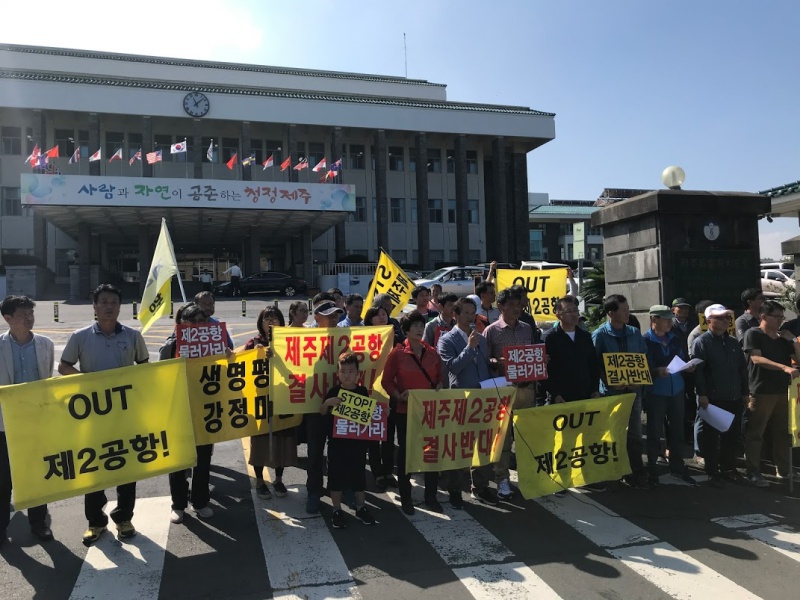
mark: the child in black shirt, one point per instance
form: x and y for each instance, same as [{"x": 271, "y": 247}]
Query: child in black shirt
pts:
[{"x": 346, "y": 457}]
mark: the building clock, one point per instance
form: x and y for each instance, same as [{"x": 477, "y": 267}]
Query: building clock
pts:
[{"x": 196, "y": 104}]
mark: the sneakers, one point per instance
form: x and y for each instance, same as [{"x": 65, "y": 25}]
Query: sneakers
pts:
[
  {"x": 391, "y": 481},
  {"x": 176, "y": 516},
  {"x": 780, "y": 476},
  {"x": 338, "y": 520},
  {"x": 125, "y": 530},
  {"x": 684, "y": 477},
  {"x": 486, "y": 496},
  {"x": 757, "y": 479},
  {"x": 407, "y": 505},
  {"x": 204, "y": 513},
  {"x": 456, "y": 501},
  {"x": 42, "y": 531},
  {"x": 504, "y": 490},
  {"x": 92, "y": 534},
  {"x": 363, "y": 515},
  {"x": 597, "y": 487},
  {"x": 262, "y": 491},
  {"x": 434, "y": 506},
  {"x": 312, "y": 505},
  {"x": 280, "y": 489}
]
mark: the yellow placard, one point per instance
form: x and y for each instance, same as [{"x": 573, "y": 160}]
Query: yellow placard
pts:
[
  {"x": 704, "y": 324},
  {"x": 230, "y": 399},
  {"x": 794, "y": 411},
  {"x": 82, "y": 433},
  {"x": 355, "y": 407},
  {"x": 453, "y": 429},
  {"x": 304, "y": 363},
  {"x": 626, "y": 368},
  {"x": 389, "y": 279},
  {"x": 544, "y": 288},
  {"x": 572, "y": 444}
]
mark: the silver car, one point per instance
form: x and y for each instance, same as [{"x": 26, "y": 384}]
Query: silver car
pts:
[{"x": 456, "y": 280}]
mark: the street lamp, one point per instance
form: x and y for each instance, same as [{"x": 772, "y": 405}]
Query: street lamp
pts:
[{"x": 673, "y": 177}]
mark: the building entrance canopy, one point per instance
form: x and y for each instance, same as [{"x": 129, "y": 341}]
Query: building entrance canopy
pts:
[{"x": 197, "y": 211}]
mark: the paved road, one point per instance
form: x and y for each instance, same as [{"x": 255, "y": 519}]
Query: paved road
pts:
[{"x": 675, "y": 541}]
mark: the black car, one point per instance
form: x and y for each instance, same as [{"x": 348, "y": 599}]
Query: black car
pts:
[{"x": 266, "y": 282}]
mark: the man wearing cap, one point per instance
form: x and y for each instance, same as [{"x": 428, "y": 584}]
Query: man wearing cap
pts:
[
  {"x": 664, "y": 399},
  {"x": 721, "y": 380},
  {"x": 770, "y": 373},
  {"x": 682, "y": 324},
  {"x": 326, "y": 314}
]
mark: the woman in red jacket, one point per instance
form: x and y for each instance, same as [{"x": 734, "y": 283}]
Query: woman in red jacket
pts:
[{"x": 412, "y": 365}]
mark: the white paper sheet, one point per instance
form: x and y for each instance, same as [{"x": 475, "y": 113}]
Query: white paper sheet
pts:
[
  {"x": 717, "y": 417},
  {"x": 496, "y": 382},
  {"x": 677, "y": 365}
]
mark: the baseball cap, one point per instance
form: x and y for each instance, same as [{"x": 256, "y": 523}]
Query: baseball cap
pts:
[
  {"x": 680, "y": 302},
  {"x": 326, "y": 307},
  {"x": 661, "y": 310},
  {"x": 717, "y": 310}
]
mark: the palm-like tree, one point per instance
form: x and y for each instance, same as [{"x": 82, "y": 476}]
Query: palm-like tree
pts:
[{"x": 593, "y": 289}]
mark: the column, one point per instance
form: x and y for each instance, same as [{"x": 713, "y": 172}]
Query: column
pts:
[
  {"x": 462, "y": 206},
  {"x": 381, "y": 193},
  {"x": 499, "y": 209},
  {"x": 308, "y": 256},
  {"x": 520, "y": 248},
  {"x": 423, "y": 214},
  {"x": 145, "y": 256},
  {"x": 94, "y": 143},
  {"x": 39, "y": 223},
  {"x": 84, "y": 253},
  {"x": 254, "y": 252},
  {"x": 288, "y": 257},
  {"x": 341, "y": 228},
  {"x": 197, "y": 146},
  {"x": 147, "y": 145},
  {"x": 291, "y": 148},
  {"x": 246, "y": 149}
]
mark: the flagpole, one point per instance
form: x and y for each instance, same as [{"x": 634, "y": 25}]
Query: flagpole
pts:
[
  {"x": 212, "y": 158},
  {"x": 186, "y": 156}
]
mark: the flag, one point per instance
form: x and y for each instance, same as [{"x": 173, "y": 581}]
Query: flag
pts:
[
  {"x": 41, "y": 161},
  {"x": 249, "y": 160},
  {"x": 157, "y": 296},
  {"x": 153, "y": 157},
  {"x": 53, "y": 152},
  {"x": 135, "y": 157},
  {"x": 330, "y": 174},
  {"x": 96, "y": 156},
  {"x": 232, "y": 162},
  {"x": 337, "y": 165},
  {"x": 287, "y": 163},
  {"x": 210, "y": 151},
  {"x": 392, "y": 279},
  {"x": 34, "y": 157},
  {"x": 117, "y": 156},
  {"x": 319, "y": 166},
  {"x": 324, "y": 178},
  {"x": 268, "y": 163},
  {"x": 178, "y": 148},
  {"x": 76, "y": 156},
  {"x": 303, "y": 164}
]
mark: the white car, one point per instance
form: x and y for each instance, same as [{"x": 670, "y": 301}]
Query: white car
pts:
[
  {"x": 775, "y": 281},
  {"x": 457, "y": 280}
]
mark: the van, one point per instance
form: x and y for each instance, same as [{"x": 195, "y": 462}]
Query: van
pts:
[
  {"x": 777, "y": 265},
  {"x": 541, "y": 265}
]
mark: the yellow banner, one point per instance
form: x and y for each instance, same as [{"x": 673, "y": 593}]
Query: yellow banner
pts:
[
  {"x": 304, "y": 364},
  {"x": 229, "y": 397},
  {"x": 794, "y": 411},
  {"x": 626, "y": 368},
  {"x": 453, "y": 429},
  {"x": 389, "y": 279},
  {"x": 572, "y": 444},
  {"x": 82, "y": 433},
  {"x": 157, "y": 296},
  {"x": 544, "y": 288},
  {"x": 355, "y": 407},
  {"x": 704, "y": 325}
]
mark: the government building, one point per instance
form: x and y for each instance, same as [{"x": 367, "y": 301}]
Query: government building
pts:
[{"x": 96, "y": 148}]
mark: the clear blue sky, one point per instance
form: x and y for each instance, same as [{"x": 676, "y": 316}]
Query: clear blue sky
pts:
[{"x": 636, "y": 85}]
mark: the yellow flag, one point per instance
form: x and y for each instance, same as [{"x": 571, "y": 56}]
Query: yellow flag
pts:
[
  {"x": 157, "y": 296},
  {"x": 389, "y": 279},
  {"x": 794, "y": 411},
  {"x": 572, "y": 444},
  {"x": 544, "y": 288}
]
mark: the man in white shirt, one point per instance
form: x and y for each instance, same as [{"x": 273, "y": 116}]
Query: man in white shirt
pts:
[{"x": 236, "y": 276}]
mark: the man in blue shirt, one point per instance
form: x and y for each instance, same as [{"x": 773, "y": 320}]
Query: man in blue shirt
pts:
[{"x": 353, "y": 305}]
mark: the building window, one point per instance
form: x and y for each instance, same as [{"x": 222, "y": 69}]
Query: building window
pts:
[
  {"x": 11, "y": 205},
  {"x": 434, "y": 160},
  {"x": 320, "y": 256},
  {"x": 451, "y": 211},
  {"x": 435, "y": 210},
  {"x": 83, "y": 142},
  {"x": 451, "y": 161},
  {"x": 398, "y": 212},
  {"x": 374, "y": 210},
  {"x": 399, "y": 256},
  {"x": 413, "y": 210},
  {"x": 472, "y": 162},
  {"x": 472, "y": 212},
  {"x": 316, "y": 152},
  {"x": 114, "y": 141},
  {"x": 134, "y": 144},
  {"x": 396, "y": 156},
  {"x": 474, "y": 256},
  {"x": 163, "y": 142},
  {"x": 412, "y": 161},
  {"x": 275, "y": 149},
  {"x": 437, "y": 258},
  {"x": 11, "y": 140},
  {"x": 63, "y": 261},
  {"x": 257, "y": 148},
  {"x": 356, "y": 156},
  {"x": 360, "y": 215},
  {"x": 65, "y": 140},
  {"x": 207, "y": 143},
  {"x": 536, "y": 244},
  {"x": 230, "y": 146}
]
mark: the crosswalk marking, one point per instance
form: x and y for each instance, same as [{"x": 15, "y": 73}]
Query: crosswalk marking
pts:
[
  {"x": 663, "y": 565},
  {"x": 477, "y": 558},
  {"x": 303, "y": 560},
  {"x": 779, "y": 537},
  {"x": 129, "y": 570}
]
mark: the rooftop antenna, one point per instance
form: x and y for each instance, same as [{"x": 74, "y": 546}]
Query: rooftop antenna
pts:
[{"x": 405, "y": 54}]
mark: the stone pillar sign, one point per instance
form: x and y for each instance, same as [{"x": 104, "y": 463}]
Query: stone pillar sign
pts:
[{"x": 676, "y": 243}]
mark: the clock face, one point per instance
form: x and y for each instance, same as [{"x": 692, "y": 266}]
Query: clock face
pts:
[
  {"x": 196, "y": 104},
  {"x": 711, "y": 231}
]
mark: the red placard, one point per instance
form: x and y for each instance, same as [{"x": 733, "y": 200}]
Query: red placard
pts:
[
  {"x": 195, "y": 340},
  {"x": 374, "y": 432},
  {"x": 525, "y": 363}
]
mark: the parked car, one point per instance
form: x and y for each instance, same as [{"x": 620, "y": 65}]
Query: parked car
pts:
[
  {"x": 456, "y": 280},
  {"x": 500, "y": 265},
  {"x": 541, "y": 265},
  {"x": 775, "y": 281},
  {"x": 270, "y": 282}
]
